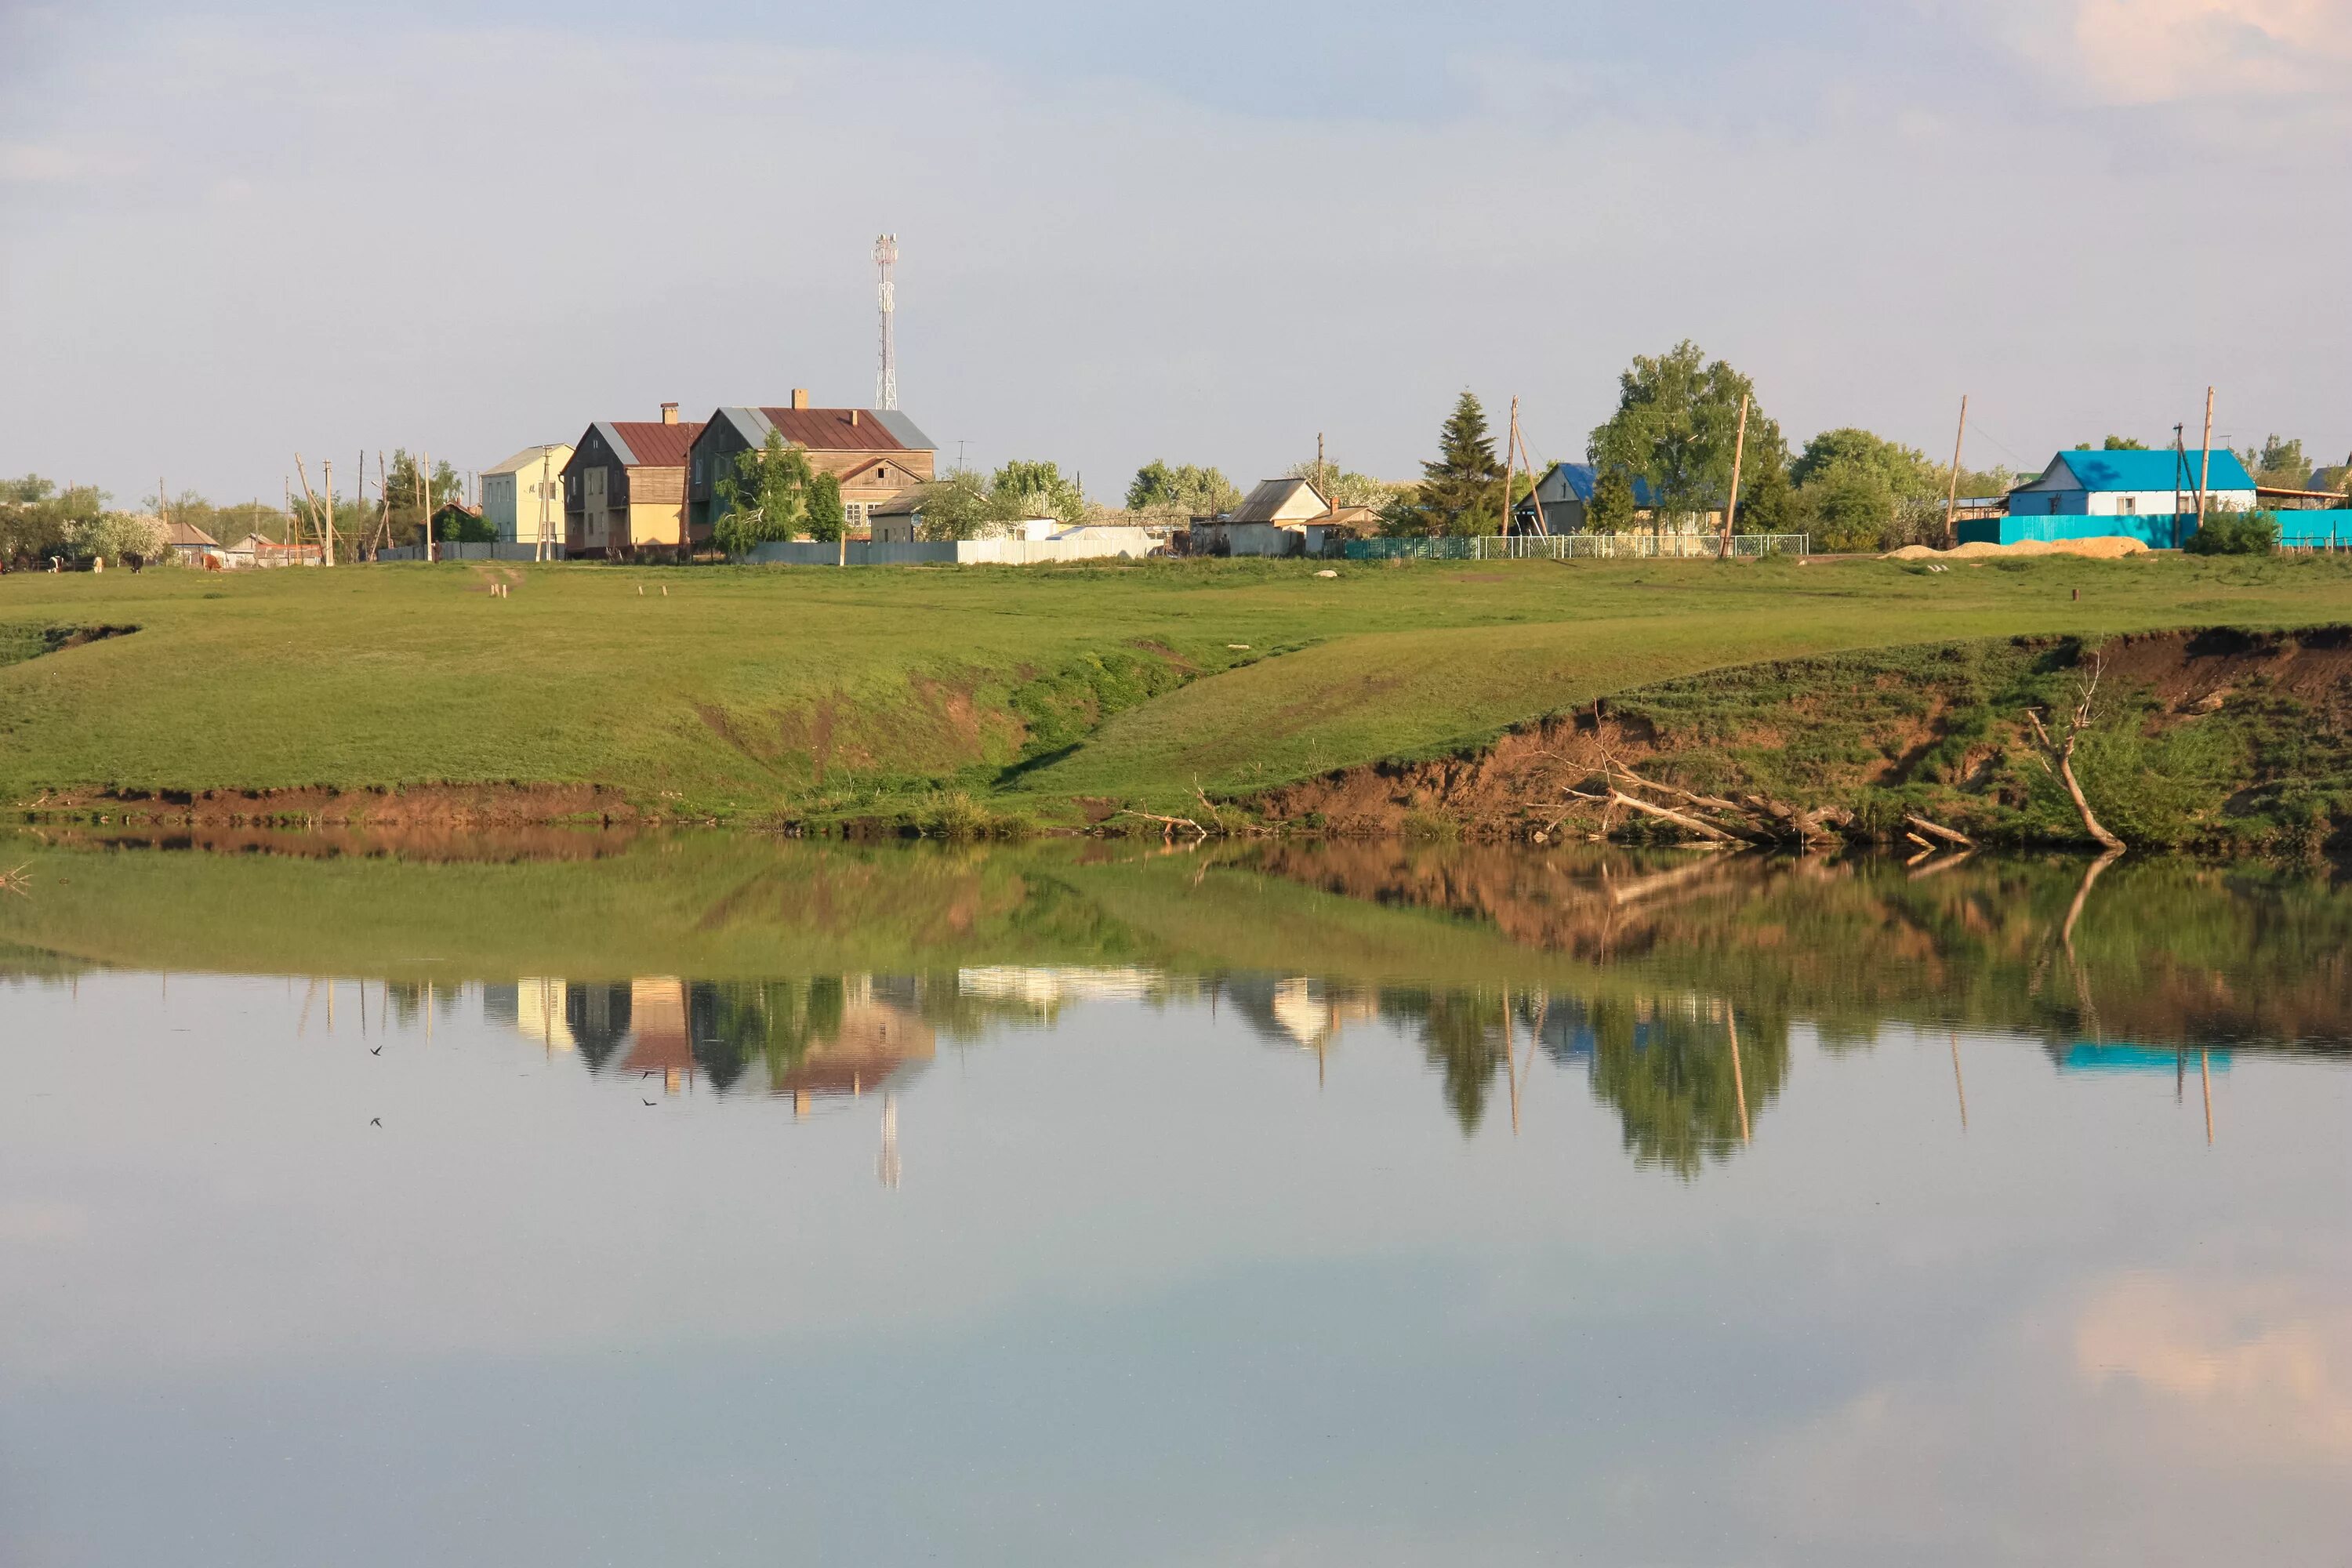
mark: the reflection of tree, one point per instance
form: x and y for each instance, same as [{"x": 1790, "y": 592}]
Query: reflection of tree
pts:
[
  {"x": 1669, "y": 1072},
  {"x": 775, "y": 1021},
  {"x": 598, "y": 1018},
  {"x": 1462, "y": 1033}
]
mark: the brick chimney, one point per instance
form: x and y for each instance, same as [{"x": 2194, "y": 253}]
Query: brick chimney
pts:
[
  {"x": 800, "y": 397},
  {"x": 669, "y": 413}
]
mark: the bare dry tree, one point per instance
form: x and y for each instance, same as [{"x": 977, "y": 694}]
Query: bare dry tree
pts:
[{"x": 2057, "y": 756}]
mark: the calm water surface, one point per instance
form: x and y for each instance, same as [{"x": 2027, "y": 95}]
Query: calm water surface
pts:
[{"x": 721, "y": 1201}]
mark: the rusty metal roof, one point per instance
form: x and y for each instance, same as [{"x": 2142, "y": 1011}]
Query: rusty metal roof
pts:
[
  {"x": 831, "y": 429},
  {"x": 649, "y": 443}
]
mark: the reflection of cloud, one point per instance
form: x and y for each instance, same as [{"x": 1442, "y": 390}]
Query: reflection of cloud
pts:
[
  {"x": 2160, "y": 51},
  {"x": 2262, "y": 1363}
]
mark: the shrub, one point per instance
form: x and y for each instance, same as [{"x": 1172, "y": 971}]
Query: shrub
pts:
[{"x": 2235, "y": 534}]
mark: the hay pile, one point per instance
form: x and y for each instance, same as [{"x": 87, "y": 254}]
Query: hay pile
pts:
[{"x": 2097, "y": 548}]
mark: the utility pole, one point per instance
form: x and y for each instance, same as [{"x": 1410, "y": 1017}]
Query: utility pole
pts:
[
  {"x": 424, "y": 503},
  {"x": 885, "y": 264},
  {"x": 326, "y": 483},
  {"x": 2205, "y": 470},
  {"x": 1952, "y": 495},
  {"x": 1510, "y": 462},
  {"x": 1519, "y": 442},
  {"x": 163, "y": 499},
  {"x": 1731, "y": 502},
  {"x": 1318, "y": 472},
  {"x": 541, "y": 552}
]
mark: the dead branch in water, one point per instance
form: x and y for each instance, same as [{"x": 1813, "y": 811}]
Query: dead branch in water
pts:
[
  {"x": 1938, "y": 830},
  {"x": 15, "y": 882},
  {"x": 1168, "y": 825},
  {"x": 2058, "y": 757}
]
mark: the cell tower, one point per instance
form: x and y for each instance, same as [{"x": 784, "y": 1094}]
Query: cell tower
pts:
[{"x": 886, "y": 259}]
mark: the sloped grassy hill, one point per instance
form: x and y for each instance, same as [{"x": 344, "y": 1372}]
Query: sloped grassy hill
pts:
[{"x": 1055, "y": 693}]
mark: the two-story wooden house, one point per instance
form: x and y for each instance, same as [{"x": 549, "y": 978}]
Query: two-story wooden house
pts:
[
  {"x": 875, "y": 453},
  {"x": 625, "y": 485}
]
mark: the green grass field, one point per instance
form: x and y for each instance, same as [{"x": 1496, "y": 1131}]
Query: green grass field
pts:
[{"x": 746, "y": 694}]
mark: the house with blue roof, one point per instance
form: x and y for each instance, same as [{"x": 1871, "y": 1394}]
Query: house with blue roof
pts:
[
  {"x": 2133, "y": 484},
  {"x": 1566, "y": 491},
  {"x": 2150, "y": 496}
]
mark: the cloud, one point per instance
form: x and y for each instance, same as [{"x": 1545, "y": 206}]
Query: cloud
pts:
[
  {"x": 2166, "y": 51},
  {"x": 35, "y": 163}
]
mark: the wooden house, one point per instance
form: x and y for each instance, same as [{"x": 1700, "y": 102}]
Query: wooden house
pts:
[
  {"x": 625, "y": 487},
  {"x": 876, "y": 454}
]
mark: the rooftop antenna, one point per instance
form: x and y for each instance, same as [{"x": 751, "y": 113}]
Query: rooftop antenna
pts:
[{"x": 886, "y": 259}]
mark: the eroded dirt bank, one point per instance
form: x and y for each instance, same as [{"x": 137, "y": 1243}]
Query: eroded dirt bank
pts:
[
  {"x": 416, "y": 813},
  {"x": 2213, "y": 739}
]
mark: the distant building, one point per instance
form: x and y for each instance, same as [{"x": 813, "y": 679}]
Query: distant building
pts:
[
  {"x": 1566, "y": 491},
  {"x": 625, "y": 485},
  {"x": 2132, "y": 484},
  {"x": 1271, "y": 520},
  {"x": 876, "y": 454},
  {"x": 255, "y": 551},
  {"x": 191, "y": 546},
  {"x": 523, "y": 496}
]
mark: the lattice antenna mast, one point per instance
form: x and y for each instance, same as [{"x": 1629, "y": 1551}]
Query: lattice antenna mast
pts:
[{"x": 885, "y": 262}]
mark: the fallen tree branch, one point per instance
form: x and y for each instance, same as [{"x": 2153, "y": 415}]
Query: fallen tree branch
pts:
[
  {"x": 1938, "y": 830},
  {"x": 2059, "y": 757},
  {"x": 1168, "y": 825},
  {"x": 1688, "y": 824}
]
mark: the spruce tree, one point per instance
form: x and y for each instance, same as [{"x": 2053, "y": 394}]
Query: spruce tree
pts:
[{"x": 1461, "y": 493}]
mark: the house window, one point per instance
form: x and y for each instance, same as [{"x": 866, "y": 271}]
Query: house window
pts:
[{"x": 2128, "y": 507}]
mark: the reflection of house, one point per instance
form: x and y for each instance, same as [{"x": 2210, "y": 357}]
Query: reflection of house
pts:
[
  {"x": 1046, "y": 988},
  {"x": 1312, "y": 1013},
  {"x": 659, "y": 1040},
  {"x": 2121, "y": 1056},
  {"x": 539, "y": 1013},
  {"x": 874, "y": 1041}
]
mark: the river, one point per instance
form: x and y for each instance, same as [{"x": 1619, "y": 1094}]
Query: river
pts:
[{"x": 713, "y": 1199}]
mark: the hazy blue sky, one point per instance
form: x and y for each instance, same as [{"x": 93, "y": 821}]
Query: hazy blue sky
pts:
[{"x": 229, "y": 233}]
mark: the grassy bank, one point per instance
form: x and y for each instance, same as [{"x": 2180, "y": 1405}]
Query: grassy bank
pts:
[{"x": 959, "y": 697}]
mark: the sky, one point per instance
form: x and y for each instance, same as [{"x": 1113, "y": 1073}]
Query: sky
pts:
[{"x": 232, "y": 233}]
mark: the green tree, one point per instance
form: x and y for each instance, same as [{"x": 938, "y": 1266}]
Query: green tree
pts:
[
  {"x": 1676, "y": 425},
  {"x": 1848, "y": 509},
  {"x": 1182, "y": 488},
  {"x": 1023, "y": 489},
  {"x": 1611, "y": 508},
  {"x": 2278, "y": 464},
  {"x": 1343, "y": 488},
  {"x": 828, "y": 519},
  {"x": 1905, "y": 469},
  {"x": 2112, "y": 444},
  {"x": 954, "y": 506},
  {"x": 2229, "y": 532},
  {"x": 765, "y": 498},
  {"x": 1461, "y": 492},
  {"x": 36, "y": 517}
]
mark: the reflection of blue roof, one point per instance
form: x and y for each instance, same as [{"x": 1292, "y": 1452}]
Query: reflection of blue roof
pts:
[
  {"x": 2083, "y": 1055},
  {"x": 2160, "y": 470}
]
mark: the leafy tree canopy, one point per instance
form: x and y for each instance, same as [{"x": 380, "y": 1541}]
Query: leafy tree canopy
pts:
[
  {"x": 2112, "y": 444},
  {"x": 1182, "y": 488},
  {"x": 766, "y": 497},
  {"x": 1676, "y": 424},
  {"x": 1904, "y": 470},
  {"x": 2278, "y": 464},
  {"x": 1023, "y": 489},
  {"x": 1343, "y": 488}
]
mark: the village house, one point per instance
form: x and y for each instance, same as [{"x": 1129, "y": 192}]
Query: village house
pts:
[
  {"x": 1566, "y": 493},
  {"x": 2133, "y": 484},
  {"x": 253, "y": 550},
  {"x": 522, "y": 498},
  {"x": 625, "y": 485},
  {"x": 191, "y": 546},
  {"x": 876, "y": 454}
]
